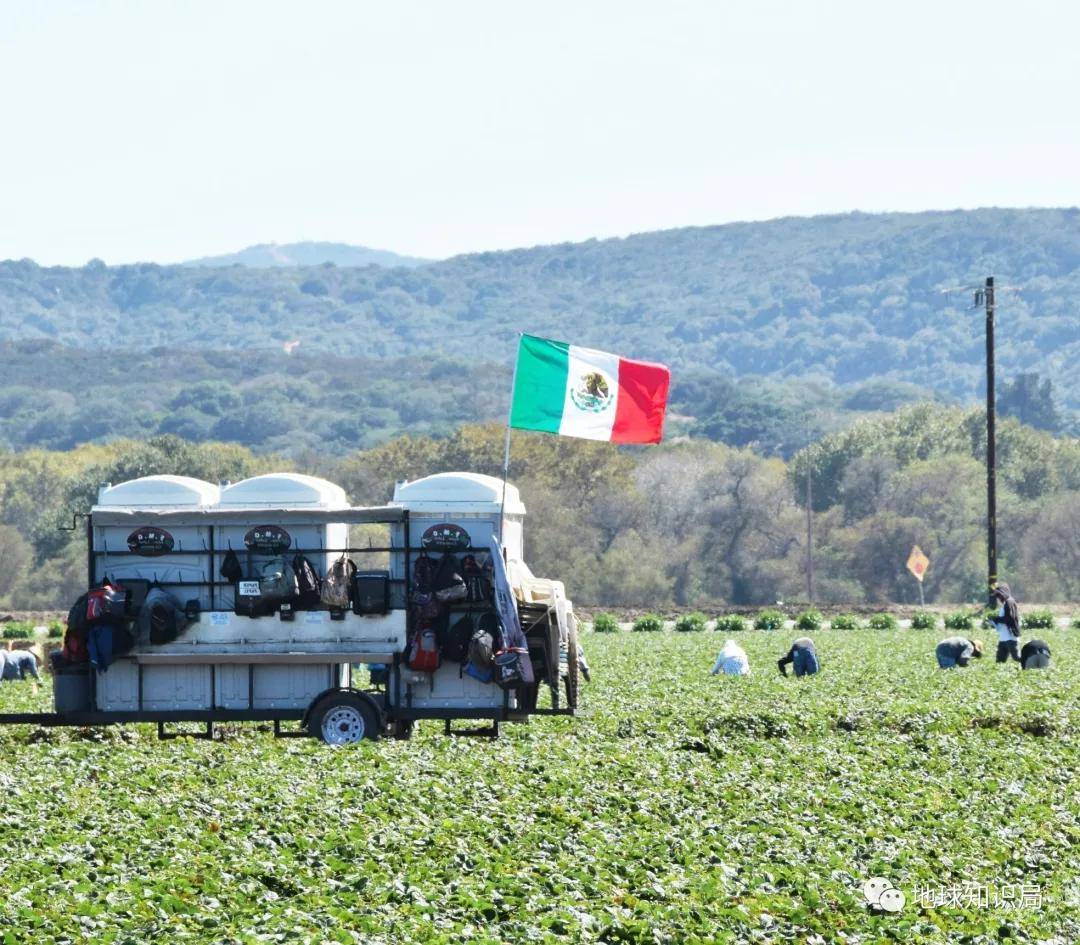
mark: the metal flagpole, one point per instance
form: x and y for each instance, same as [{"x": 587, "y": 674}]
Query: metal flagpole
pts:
[{"x": 506, "y": 446}]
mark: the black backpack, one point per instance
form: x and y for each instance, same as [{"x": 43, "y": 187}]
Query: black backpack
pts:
[
  {"x": 76, "y": 620},
  {"x": 448, "y": 583},
  {"x": 308, "y": 583},
  {"x": 423, "y": 574},
  {"x": 230, "y": 567},
  {"x": 477, "y": 586},
  {"x": 456, "y": 646}
]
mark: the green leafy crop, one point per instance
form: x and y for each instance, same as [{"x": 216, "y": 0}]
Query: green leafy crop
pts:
[
  {"x": 923, "y": 620},
  {"x": 17, "y": 630},
  {"x": 690, "y": 623},
  {"x": 959, "y": 620},
  {"x": 648, "y": 623},
  {"x": 732, "y": 623},
  {"x": 605, "y": 623},
  {"x": 1037, "y": 620},
  {"x": 769, "y": 620},
  {"x": 680, "y": 808}
]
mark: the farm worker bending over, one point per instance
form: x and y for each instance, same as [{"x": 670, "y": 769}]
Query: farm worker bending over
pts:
[
  {"x": 1007, "y": 623},
  {"x": 1035, "y": 655},
  {"x": 804, "y": 657},
  {"x": 732, "y": 660},
  {"x": 17, "y": 664},
  {"x": 957, "y": 651}
]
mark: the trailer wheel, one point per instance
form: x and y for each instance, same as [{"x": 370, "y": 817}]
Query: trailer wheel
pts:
[
  {"x": 343, "y": 718},
  {"x": 573, "y": 668}
]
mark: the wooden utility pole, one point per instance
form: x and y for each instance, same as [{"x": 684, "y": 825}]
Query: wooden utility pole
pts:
[
  {"x": 809, "y": 520},
  {"x": 991, "y": 457}
]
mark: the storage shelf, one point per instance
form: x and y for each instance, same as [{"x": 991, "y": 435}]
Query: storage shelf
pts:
[{"x": 202, "y": 656}]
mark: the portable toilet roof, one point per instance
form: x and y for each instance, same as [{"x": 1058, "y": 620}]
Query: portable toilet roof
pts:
[
  {"x": 159, "y": 492},
  {"x": 283, "y": 491},
  {"x": 458, "y": 492}
]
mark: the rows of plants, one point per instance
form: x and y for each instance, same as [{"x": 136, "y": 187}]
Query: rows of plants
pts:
[
  {"x": 22, "y": 630},
  {"x": 680, "y": 808},
  {"x": 811, "y": 621}
]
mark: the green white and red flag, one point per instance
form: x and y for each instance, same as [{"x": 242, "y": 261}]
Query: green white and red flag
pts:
[{"x": 573, "y": 391}]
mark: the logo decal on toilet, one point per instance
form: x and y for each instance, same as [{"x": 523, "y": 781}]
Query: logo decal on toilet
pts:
[
  {"x": 150, "y": 541},
  {"x": 446, "y": 537},
  {"x": 267, "y": 539}
]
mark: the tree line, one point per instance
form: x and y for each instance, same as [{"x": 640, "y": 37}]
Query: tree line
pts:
[
  {"x": 688, "y": 523},
  {"x": 304, "y": 402}
]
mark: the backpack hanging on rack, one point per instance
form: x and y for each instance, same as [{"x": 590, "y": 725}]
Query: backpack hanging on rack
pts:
[
  {"x": 477, "y": 585},
  {"x": 75, "y": 637},
  {"x": 425, "y": 607},
  {"x": 337, "y": 585},
  {"x": 509, "y": 672},
  {"x": 424, "y": 650},
  {"x": 481, "y": 655},
  {"x": 308, "y": 583},
  {"x": 449, "y": 585},
  {"x": 424, "y": 573},
  {"x": 161, "y": 619},
  {"x": 456, "y": 647},
  {"x": 108, "y": 602},
  {"x": 277, "y": 583},
  {"x": 230, "y": 567}
]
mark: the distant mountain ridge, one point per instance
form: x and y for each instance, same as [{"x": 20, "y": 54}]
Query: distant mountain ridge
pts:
[
  {"x": 832, "y": 300},
  {"x": 273, "y": 255}
]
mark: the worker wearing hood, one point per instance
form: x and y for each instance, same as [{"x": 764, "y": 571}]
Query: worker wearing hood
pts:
[{"x": 1007, "y": 623}]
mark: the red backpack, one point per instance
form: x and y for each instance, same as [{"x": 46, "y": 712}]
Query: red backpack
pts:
[
  {"x": 75, "y": 648},
  {"x": 105, "y": 602},
  {"x": 424, "y": 650}
]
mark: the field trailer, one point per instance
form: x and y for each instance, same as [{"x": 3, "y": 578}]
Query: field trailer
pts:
[{"x": 302, "y": 664}]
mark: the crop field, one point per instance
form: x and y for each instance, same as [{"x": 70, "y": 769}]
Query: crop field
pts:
[{"x": 681, "y": 808}]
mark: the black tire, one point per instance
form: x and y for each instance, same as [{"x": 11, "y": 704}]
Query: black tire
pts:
[
  {"x": 402, "y": 729},
  {"x": 343, "y": 718},
  {"x": 573, "y": 668}
]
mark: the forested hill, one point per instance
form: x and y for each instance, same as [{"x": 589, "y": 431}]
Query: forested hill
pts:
[
  {"x": 266, "y": 255},
  {"x": 838, "y": 298}
]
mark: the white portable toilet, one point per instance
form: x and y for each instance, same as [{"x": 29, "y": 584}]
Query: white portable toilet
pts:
[
  {"x": 256, "y": 537},
  {"x": 271, "y": 524},
  {"x": 458, "y": 510},
  {"x": 132, "y": 541},
  {"x": 454, "y": 512}
]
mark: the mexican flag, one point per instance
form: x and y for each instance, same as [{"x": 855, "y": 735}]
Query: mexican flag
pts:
[{"x": 572, "y": 391}]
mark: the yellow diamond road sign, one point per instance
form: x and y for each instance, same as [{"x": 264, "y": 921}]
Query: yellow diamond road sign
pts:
[{"x": 917, "y": 563}]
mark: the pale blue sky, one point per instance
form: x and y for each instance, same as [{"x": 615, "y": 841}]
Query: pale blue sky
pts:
[{"x": 162, "y": 131}]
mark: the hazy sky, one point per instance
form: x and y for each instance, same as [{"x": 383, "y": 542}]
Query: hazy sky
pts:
[{"x": 162, "y": 131}]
